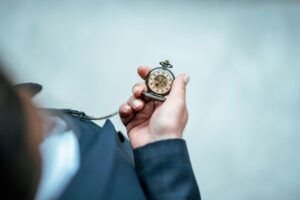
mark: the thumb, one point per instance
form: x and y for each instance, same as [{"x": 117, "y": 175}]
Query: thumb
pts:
[{"x": 179, "y": 87}]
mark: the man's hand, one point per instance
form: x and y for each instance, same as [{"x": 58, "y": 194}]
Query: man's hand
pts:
[{"x": 149, "y": 121}]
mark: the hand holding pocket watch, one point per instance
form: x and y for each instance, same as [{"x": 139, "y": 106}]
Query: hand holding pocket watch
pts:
[
  {"x": 150, "y": 121},
  {"x": 159, "y": 82}
]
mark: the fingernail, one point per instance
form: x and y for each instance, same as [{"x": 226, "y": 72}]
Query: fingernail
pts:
[
  {"x": 136, "y": 103},
  {"x": 126, "y": 108},
  {"x": 134, "y": 90},
  {"x": 186, "y": 79}
]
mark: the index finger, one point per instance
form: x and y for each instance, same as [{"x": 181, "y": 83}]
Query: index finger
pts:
[{"x": 143, "y": 71}]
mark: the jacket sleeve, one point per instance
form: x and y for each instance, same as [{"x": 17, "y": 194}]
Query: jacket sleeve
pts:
[{"x": 165, "y": 172}]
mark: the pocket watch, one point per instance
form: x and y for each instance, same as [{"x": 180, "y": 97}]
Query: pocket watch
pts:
[{"x": 159, "y": 82}]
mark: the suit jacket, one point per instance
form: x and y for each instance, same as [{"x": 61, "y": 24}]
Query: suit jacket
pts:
[{"x": 110, "y": 169}]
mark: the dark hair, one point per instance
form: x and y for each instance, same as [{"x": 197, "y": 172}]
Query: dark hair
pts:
[{"x": 16, "y": 168}]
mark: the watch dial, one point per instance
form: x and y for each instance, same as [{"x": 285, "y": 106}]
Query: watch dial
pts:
[{"x": 160, "y": 81}]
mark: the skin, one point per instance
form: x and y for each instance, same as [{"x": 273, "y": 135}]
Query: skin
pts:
[
  {"x": 150, "y": 121},
  {"x": 33, "y": 136}
]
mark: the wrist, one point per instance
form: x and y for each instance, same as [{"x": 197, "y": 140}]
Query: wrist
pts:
[
  {"x": 140, "y": 142},
  {"x": 166, "y": 137}
]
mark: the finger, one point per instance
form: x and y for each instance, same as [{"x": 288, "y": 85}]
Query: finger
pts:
[
  {"x": 143, "y": 71},
  {"x": 136, "y": 104},
  {"x": 125, "y": 110},
  {"x": 126, "y": 113},
  {"x": 138, "y": 89},
  {"x": 179, "y": 87}
]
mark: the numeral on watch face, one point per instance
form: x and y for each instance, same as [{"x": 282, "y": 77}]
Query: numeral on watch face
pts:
[{"x": 159, "y": 83}]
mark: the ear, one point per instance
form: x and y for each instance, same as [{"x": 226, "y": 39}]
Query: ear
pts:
[{"x": 31, "y": 88}]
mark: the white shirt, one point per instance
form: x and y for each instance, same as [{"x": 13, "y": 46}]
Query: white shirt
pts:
[{"x": 60, "y": 160}]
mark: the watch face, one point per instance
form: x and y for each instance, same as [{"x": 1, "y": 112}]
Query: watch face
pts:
[{"x": 160, "y": 81}]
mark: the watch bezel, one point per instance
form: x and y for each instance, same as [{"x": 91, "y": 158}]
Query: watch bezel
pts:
[{"x": 147, "y": 81}]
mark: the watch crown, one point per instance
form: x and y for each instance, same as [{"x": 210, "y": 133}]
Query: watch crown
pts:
[{"x": 166, "y": 64}]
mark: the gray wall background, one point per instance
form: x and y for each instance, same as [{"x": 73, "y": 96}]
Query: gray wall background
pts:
[{"x": 242, "y": 56}]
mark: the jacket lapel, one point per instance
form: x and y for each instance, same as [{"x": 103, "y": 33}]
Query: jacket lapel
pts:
[
  {"x": 95, "y": 171},
  {"x": 105, "y": 171}
]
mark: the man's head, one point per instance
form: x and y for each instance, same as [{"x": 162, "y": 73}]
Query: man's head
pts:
[{"x": 20, "y": 133}]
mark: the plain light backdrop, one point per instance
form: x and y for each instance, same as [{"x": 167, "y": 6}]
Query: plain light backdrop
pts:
[{"x": 243, "y": 58}]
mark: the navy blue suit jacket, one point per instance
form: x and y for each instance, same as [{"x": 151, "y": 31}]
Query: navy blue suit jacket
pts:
[{"x": 110, "y": 169}]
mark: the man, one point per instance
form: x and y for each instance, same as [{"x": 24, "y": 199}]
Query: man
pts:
[
  {"x": 81, "y": 160},
  {"x": 20, "y": 134}
]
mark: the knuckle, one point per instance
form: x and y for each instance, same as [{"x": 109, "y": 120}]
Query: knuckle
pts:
[
  {"x": 122, "y": 106},
  {"x": 137, "y": 87},
  {"x": 130, "y": 100},
  {"x": 134, "y": 87}
]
